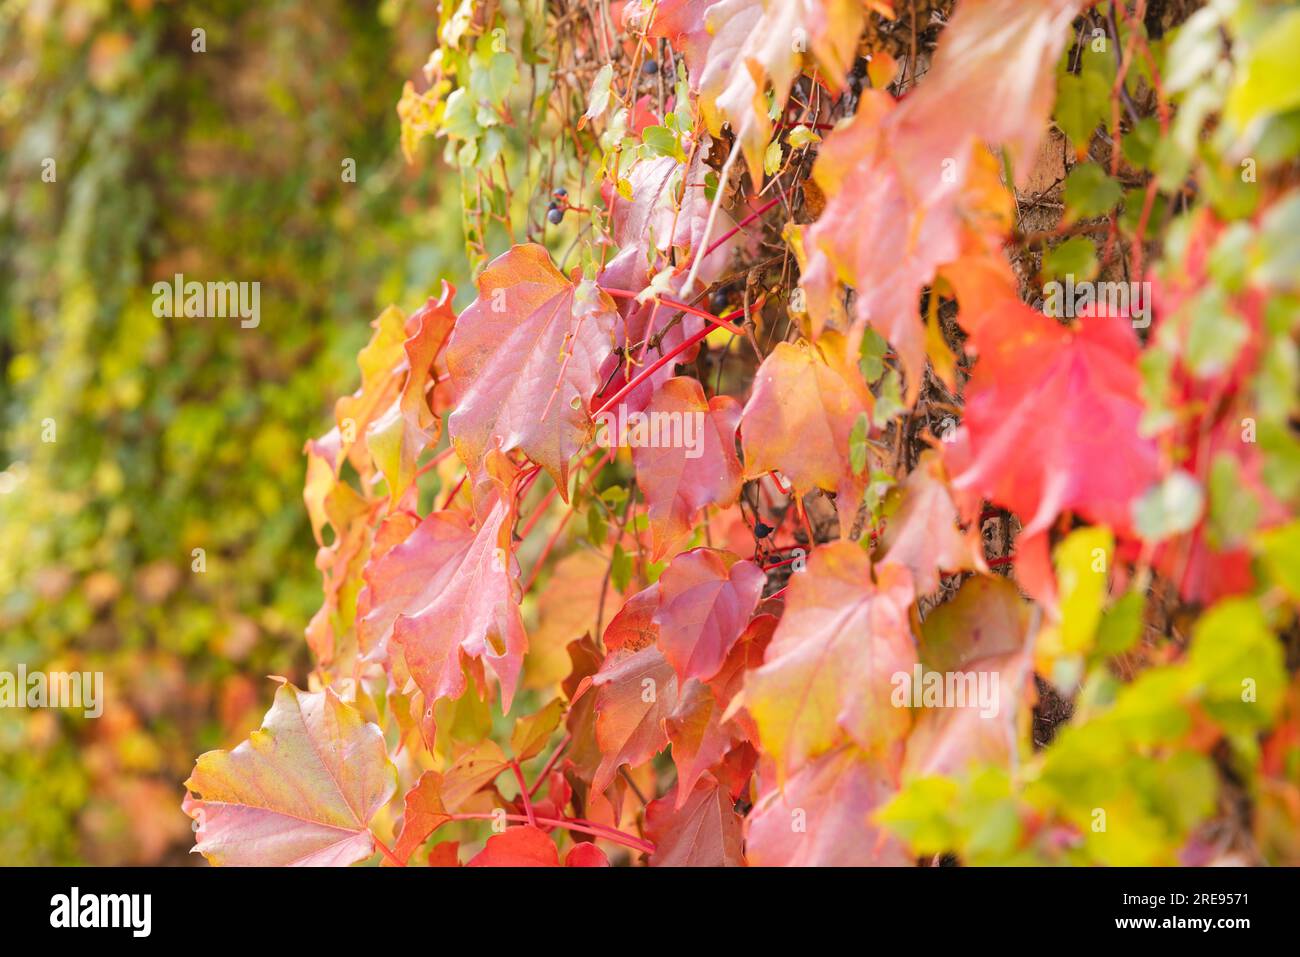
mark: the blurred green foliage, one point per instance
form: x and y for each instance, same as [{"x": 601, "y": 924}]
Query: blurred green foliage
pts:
[{"x": 171, "y": 435}]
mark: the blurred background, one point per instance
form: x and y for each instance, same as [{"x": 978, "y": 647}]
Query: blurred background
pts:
[{"x": 172, "y": 435}]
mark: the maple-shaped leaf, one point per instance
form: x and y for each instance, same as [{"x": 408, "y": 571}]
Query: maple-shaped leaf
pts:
[
  {"x": 1087, "y": 454},
  {"x": 525, "y": 360},
  {"x": 987, "y": 618},
  {"x": 822, "y": 816},
  {"x": 474, "y": 613},
  {"x": 903, "y": 180},
  {"x": 980, "y": 717},
  {"x": 758, "y": 45},
  {"x": 424, "y": 814},
  {"x": 661, "y": 223},
  {"x": 398, "y": 436},
  {"x": 635, "y": 691},
  {"x": 827, "y": 672},
  {"x": 706, "y": 598},
  {"x": 798, "y": 420},
  {"x": 923, "y": 533},
  {"x": 523, "y": 846},
  {"x": 680, "y": 478},
  {"x": 301, "y": 790},
  {"x": 699, "y": 736},
  {"x": 702, "y": 831},
  {"x": 410, "y": 575}
]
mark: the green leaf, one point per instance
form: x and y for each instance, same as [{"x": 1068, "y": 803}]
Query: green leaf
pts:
[
  {"x": 1089, "y": 192},
  {"x": 1169, "y": 508},
  {"x": 1077, "y": 257},
  {"x": 858, "y": 444},
  {"x": 871, "y": 355}
]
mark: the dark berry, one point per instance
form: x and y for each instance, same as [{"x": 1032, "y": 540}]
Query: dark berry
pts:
[
  {"x": 559, "y": 192},
  {"x": 718, "y": 300},
  {"x": 762, "y": 530},
  {"x": 555, "y": 216},
  {"x": 650, "y": 67}
]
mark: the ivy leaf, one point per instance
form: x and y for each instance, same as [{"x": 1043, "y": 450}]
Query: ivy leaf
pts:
[
  {"x": 1039, "y": 466},
  {"x": 636, "y": 691},
  {"x": 424, "y": 814},
  {"x": 822, "y": 817},
  {"x": 680, "y": 478},
  {"x": 301, "y": 791},
  {"x": 702, "y": 831},
  {"x": 826, "y": 675},
  {"x": 525, "y": 360},
  {"x": 1089, "y": 193},
  {"x": 706, "y": 598},
  {"x": 756, "y": 45},
  {"x": 523, "y": 846},
  {"x": 923, "y": 534},
  {"x": 475, "y": 615},
  {"x": 798, "y": 420}
]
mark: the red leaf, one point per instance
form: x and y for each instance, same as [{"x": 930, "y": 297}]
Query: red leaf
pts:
[
  {"x": 424, "y": 814},
  {"x": 680, "y": 479},
  {"x": 827, "y": 673},
  {"x": 706, "y": 599},
  {"x": 703, "y": 832},
  {"x": 585, "y": 855},
  {"x": 635, "y": 692},
  {"x": 822, "y": 817},
  {"x": 525, "y": 361},
  {"x": 523, "y": 846},
  {"x": 923, "y": 533}
]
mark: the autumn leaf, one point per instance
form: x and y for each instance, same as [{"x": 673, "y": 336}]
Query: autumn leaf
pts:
[
  {"x": 525, "y": 360},
  {"x": 923, "y": 534},
  {"x": 1052, "y": 413},
  {"x": 984, "y": 727},
  {"x": 903, "y": 180},
  {"x": 826, "y": 675},
  {"x": 798, "y": 420},
  {"x": 680, "y": 479},
  {"x": 523, "y": 846},
  {"x": 757, "y": 46},
  {"x": 706, "y": 598},
  {"x": 636, "y": 691},
  {"x": 702, "y": 831},
  {"x": 301, "y": 791},
  {"x": 634, "y": 627},
  {"x": 822, "y": 817},
  {"x": 398, "y": 436},
  {"x": 474, "y": 615},
  {"x": 424, "y": 814}
]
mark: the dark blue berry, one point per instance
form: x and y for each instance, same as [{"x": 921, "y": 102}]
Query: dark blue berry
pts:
[{"x": 555, "y": 215}]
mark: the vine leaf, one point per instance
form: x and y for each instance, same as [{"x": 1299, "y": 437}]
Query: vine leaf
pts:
[
  {"x": 706, "y": 599},
  {"x": 681, "y": 478},
  {"x": 635, "y": 692},
  {"x": 798, "y": 420},
  {"x": 827, "y": 672},
  {"x": 702, "y": 831},
  {"x": 923, "y": 533},
  {"x": 398, "y": 436},
  {"x": 821, "y": 818},
  {"x": 757, "y": 45},
  {"x": 473, "y": 614},
  {"x": 525, "y": 360},
  {"x": 918, "y": 169},
  {"x": 300, "y": 791}
]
